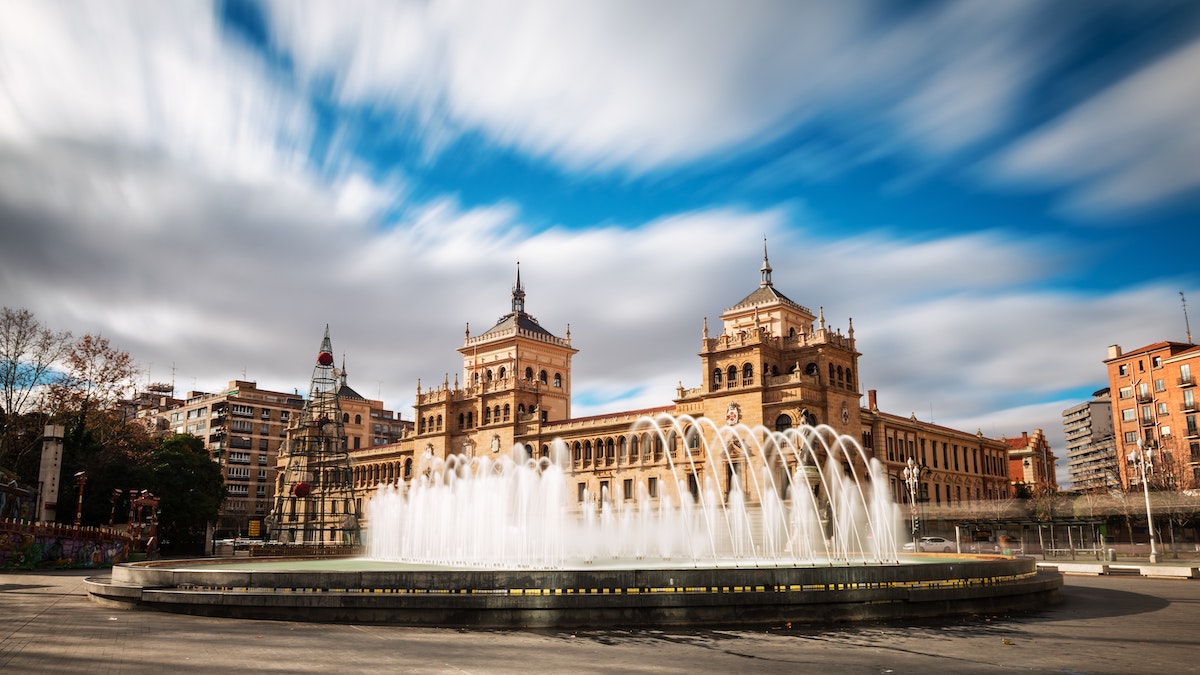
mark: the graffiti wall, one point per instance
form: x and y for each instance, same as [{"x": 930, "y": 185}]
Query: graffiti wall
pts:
[{"x": 40, "y": 545}]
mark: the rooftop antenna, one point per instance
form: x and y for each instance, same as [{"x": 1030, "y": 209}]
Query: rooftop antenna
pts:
[{"x": 1183, "y": 299}]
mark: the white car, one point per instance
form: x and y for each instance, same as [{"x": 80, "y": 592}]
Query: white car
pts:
[{"x": 933, "y": 544}]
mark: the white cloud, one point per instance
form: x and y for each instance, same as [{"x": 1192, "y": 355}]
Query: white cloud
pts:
[{"x": 1129, "y": 146}]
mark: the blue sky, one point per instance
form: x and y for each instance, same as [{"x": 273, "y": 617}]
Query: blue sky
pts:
[{"x": 994, "y": 192}]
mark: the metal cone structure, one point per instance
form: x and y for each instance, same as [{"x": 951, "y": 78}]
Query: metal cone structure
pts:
[{"x": 314, "y": 495}]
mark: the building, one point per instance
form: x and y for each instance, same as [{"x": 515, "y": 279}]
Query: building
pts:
[
  {"x": 770, "y": 362},
  {"x": 243, "y": 427},
  {"x": 956, "y": 466},
  {"x": 1031, "y": 463},
  {"x": 1156, "y": 405},
  {"x": 1091, "y": 445}
]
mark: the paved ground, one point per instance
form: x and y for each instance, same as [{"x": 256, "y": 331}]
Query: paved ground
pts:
[{"x": 1104, "y": 625}]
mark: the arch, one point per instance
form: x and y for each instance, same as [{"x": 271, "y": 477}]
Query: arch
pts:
[
  {"x": 461, "y": 420},
  {"x": 558, "y": 379},
  {"x": 496, "y": 414},
  {"x": 542, "y": 377},
  {"x": 691, "y": 437},
  {"x": 840, "y": 374},
  {"x": 831, "y": 373},
  {"x": 502, "y": 373},
  {"x": 587, "y": 452},
  {"x": 608, "y": 451},
  {"x": 849, "y": 378},
  {"x": 783, "y": 422},
  {"x": 507, "y": 411},
  {"x": 407, "y": 467},
  {"x": 633, "y": 448},
  {"x": 732, "y": 375},
  {"x": 421, "y": 426},
  {"x": 748, "y": 374},
  {"x": 470, "y": 419},
  {"x": 545, "y": 450},
  {"x": 577, "y": 452},
  {"x": 475, "y": 377},
  {"x": 358, "y": 419},
  {"x": 487, "y": 415},
  {"x": 488, "y": 376},
  {"x": 528, "y": 374},
  {"x": 345, "y": 418},
  {"x": 716, "y": 378},
  {"x": 439, "y": 422}
]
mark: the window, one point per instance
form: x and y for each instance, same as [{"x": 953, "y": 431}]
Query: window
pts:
[
  {"x": 345, "y": 418},
  {"x": 358, "y": 419},
  {"x": 1131, "y": 437},
  {"x": 1160, "y": 385},
  {"x": 652, "y": 487},
  {"x": 507, "y": 412},
  {"x": 1126, "y": 392},
  {"x": 503, "y": 372},
  {"x": 716, "y": 378},
  {"x": 243, "y": 411},
  {"x": 461, "y": 421},
  {"x": 529, "y": 374},
  {"x": 542, "y": 377},
  {"x": 581, "y": 491},
  {"x": 1162, "y": 408},
  {"x": 1185, "y": 373},
  {"x": 1156, "y": 362},
  {"x": 627, "y": 489},
  {"x": 747, "y": 374},
  {"x": 557, "y": 380},
  {"x": 733, "y": 376},
  {"x": 1128, "y": 415},
  {"x": 783, "y": 423},
  {"x": 1123, "y": 369}
]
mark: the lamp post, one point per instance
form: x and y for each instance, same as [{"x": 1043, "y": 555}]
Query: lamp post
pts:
[
  {"x": 1145, "y": 459},
  {"x": 80, "y": 481},
  {"x": 912, "y": 478}
]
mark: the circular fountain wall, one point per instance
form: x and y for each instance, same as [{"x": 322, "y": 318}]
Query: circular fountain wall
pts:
[{"x": 801, "y": 529}]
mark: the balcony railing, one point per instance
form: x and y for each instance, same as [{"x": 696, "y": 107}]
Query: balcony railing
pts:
[{"x": 1185, "y": 382}]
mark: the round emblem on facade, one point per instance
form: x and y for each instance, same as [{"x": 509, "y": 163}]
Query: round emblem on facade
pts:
[{"x": 733, "y": 414}]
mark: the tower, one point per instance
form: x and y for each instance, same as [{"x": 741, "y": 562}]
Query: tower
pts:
[{"x": 314, "y": 494}]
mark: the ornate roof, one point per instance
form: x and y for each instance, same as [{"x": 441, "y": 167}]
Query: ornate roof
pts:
[{"x": 766, "y": 293}]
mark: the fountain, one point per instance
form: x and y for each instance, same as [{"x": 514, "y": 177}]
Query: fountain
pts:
[
  {"x": 801, "y": 530},
  {"x": 514, "y": 512}
]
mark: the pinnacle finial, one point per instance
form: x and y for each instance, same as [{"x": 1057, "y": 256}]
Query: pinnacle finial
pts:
[
  {"x": 518, "y": 294},
  {"x": 765, "y": 270}
]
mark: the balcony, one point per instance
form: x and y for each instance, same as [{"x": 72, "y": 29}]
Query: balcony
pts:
[
  {"x": 1187, "y": 406},
  {"x": 1185, "y": 382},
  {"x": 1145, "y": 397}
]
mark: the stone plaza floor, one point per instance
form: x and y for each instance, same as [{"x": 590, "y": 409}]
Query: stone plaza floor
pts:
[{"x": 1117, "y": 624}]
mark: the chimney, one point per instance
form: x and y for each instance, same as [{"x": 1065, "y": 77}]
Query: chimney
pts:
[
  {"x": 1114, "y": 352},
  {"x": 871, "y": 402}
]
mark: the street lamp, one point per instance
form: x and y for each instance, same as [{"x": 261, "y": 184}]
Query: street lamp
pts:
[
  {"x": 912, "y": 478},
  {"x": 1145, "y": 458},
  {"x": 80, "y": 481}
]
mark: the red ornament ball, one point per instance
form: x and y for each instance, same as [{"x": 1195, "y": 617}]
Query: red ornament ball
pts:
[
  {"x": 301, "y": 489},
  {"x": 325, "y": 359}
]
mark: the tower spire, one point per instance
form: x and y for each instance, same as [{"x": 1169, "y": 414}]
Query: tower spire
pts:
[
  {"x": 518, "y": 294},
  {"x": 765, "y": 270}
]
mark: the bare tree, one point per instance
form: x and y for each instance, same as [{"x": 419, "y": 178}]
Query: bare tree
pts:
[
  {"x": 29, "y": 352},
  {"x": 97, "y": 378}
]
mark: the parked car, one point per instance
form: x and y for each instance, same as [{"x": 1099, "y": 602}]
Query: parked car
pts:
[{"x": 933, "y": 544}]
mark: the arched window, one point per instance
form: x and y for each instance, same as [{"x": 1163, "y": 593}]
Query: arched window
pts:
[
  {"x": 841, "y": 376},
  {"x": 693, "y": 438},
  {"x": 577, "y": 453},
  {"x": 747, "y": 374},
  {"x": 545, "y": 450},
  {"x": 487, "y": 414},
  {"x": 587, "y": 452},
  {"x": 475, "y": 377},
  {"x": 792, "y": 332},
  {"x": 488, "y": 377},
  {"x": 461, "y": 418},
  {"x": 831, "y": 373},
  {"x": 520, "y": 408},
  {"x": 408, "y": 467},
  {"x": 716, "y": 379},
  {"x": 503, "y": 372},
  {"x": 507, "y": 411},
  {"x": 358, "y": 419},
  {"x": 528, "y": 374},
  {"x": 849, "y": 379},
  {"x": 783, "y": 423},
  {"x": 672, "y": 442},
  {"x": 345, "y": 418},
  {"x": 439, "y": 422},
  {"x": 496, "y": 414},
  {"x": 732, "y": 376},
  {"x": 633, "y": 449},
  {"x": 421, "y": 426},
  {"x": 608, "y": 451},
  {"x": 622, "y": 450},
  {"x": 471, "y": 419},
  {"x": 557, "y": 379},
  {"x": 542, "y": 377}
]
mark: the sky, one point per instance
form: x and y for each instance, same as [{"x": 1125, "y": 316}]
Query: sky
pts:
[{"x": 993, "y": 192}]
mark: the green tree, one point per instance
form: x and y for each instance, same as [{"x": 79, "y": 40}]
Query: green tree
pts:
[{"x": 191, "y": 490}]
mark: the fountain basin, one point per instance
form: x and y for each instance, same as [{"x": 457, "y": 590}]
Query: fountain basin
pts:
[{"x": 593, "y": 596}]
